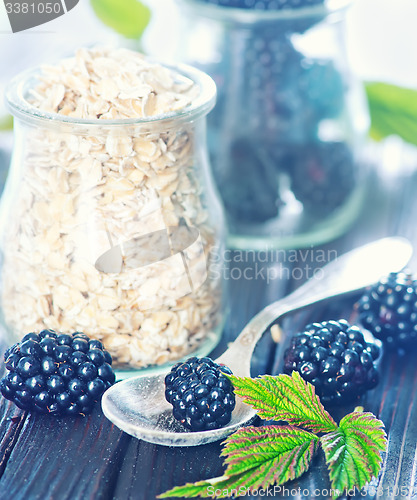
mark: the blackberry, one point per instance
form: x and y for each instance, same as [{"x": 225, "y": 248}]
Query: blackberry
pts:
[
  {"x": 334, "y": 357},
  {"x": 201, "y": 395},
  {"x": 249, "y": 186},
  {"x": 322, "y": 88},
  {"x": 322, "y": 175},
  {"x": 246, "y": 177},
  {"x": 285, "y": 93},
  {"x": 389, "y": 309},
  {"x": 58, "y": 374}
]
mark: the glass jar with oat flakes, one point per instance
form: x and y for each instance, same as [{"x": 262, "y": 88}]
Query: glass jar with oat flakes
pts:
[{"x": 110, "y": 224}]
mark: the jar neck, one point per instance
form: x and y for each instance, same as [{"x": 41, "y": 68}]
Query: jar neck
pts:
[
  {"x": 18, "y": 103},
  {"x": 333, "y": 10}
]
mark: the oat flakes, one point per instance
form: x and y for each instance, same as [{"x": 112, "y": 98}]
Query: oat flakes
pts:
[{"x": 89, "y": 199}]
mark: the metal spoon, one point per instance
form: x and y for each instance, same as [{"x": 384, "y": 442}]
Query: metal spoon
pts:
[{"x": 138, "y": 406}]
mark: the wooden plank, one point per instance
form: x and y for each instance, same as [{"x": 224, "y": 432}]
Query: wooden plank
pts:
[
  {"x": 148, "y": 470},
  {"x": 246, "y": 297},
  {"x": 71, "y": 457},
  {"x": 12, "y": 420},
  {"x": 11, "y": 423}
]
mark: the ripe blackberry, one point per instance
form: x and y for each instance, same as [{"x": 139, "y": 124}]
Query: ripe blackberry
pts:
[
  {"x": 322, "y": 88},
  {"x": 56, "y": 373},
  {"x": 334, "y": 357},
  {"x": 249, "y": 186},
  {"x": 322, "y": 175},
  {"x": 276, "y": 105},
  {"x": 389, "y": 309},
  {"x": 286, "y": 93},
  {"x": 201, "y": 396}
]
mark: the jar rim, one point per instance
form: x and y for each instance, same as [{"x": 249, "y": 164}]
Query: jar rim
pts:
[
  {"x": 249, "y": 16},
  {"x": 20, "y": 107}
]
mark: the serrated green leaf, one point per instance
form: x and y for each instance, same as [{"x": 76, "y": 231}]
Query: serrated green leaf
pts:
[
  {"x": 6, "y": 122},
  {"x": 371, "y": 432},
  {"x": 393, "y": 111},
  {"x": 202, "y": 489},
  {"x": 353, "y": 451},
  {"x": 127, "y": 17},
  {"x": 275, "y": 454},
  {"x": 256, "y": 457},
  {"x": 284, "y": 397}
]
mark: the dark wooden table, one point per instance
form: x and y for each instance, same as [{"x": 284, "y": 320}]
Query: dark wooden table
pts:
[{"x": 86, "y": 458}]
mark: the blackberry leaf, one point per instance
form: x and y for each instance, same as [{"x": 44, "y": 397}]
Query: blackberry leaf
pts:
[
  {"x": 284, "y": 397},
  {"x": 127, "y": 17},
  {"x": 353, "y": 451},
  {"x": 257, "y": 457},
  {"x": 218, "y": 487},
  {"x": 275, "y": 454},
  {"x": 6, "y": 122},
  {"x": 200, "y": 489},
  {"x": 393, "y": 111}
]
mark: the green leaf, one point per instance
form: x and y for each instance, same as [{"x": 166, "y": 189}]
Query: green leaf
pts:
[
  {"x": 393, "y": 111},
  {"x": 6, "y": 122},
  {"x": 127, "y": 17},
  {"x": 274, "y": 454},
  {"x": 201, "y": 489},
  {"x": 353, "y": 451},
  {"x": 219, "y": 487},
  {"x": 284, "y": 397},
  {"x": 256, "y": 457}
]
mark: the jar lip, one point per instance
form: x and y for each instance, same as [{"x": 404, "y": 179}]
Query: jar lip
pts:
[
  {"x": 20, "y": 107},
  {"x": 248, "y": 16}
]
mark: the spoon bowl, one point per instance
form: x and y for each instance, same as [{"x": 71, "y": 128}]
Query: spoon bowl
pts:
[
  {"x": 140, "y": 409},
  {"x": 138, "y": 405}
]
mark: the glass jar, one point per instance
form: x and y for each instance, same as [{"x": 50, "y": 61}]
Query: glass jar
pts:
[
  {"x": 113, "y": 228},
  {"x": 286, "y": 134}
]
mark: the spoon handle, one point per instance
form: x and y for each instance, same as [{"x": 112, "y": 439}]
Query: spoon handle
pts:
[{"x": 349, "y": 273}]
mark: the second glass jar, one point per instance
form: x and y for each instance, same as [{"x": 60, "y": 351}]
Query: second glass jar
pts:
[{"x": 286, "y": 134}]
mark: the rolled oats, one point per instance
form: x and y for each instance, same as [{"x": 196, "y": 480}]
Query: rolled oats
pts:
[{"x": 89, "y": 198}]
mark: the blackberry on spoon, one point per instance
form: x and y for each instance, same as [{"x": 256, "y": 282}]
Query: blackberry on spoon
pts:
[{"x": 201, "y": 396}]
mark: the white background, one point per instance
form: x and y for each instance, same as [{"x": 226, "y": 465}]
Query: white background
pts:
[{"x": 381, "y": 38}]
